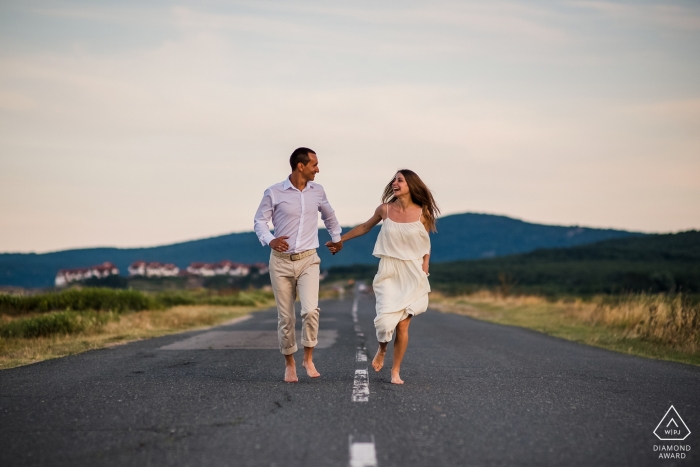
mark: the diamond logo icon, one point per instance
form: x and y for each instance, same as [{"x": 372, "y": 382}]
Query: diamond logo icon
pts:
[{"x": 672, "y": 427}]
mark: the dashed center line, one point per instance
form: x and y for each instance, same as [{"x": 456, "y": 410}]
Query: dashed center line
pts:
[
  {"x": 362, "y": 451},
  {"x": 360, "y": 387},
  {"x": 361, "y": 355}
]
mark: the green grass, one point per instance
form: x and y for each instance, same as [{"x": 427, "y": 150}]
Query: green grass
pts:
[
  {"x": 78, "y": 300},
  {"x": 122, "y": 301},
  {"x": 60, "y": 322},
  {"x": 29, "y": 339},
  {"x": 246, "y": 298},
  {"x": 80, "y": 311},
  {"x": 622, "y": 325}
]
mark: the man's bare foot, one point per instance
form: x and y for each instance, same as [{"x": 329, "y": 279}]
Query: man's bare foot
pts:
[
  {"x": 378, "y": 360},
  {"x": 395, "y": 378},
  {"x": 311, "y": 369},
  {"x": 290, "y": 374}
]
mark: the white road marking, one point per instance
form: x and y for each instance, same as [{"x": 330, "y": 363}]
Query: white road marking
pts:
[
  {"x": 362, "y": 450},
  {"x": 362, "y": 454},
  {"x": 360, "y": 387}
]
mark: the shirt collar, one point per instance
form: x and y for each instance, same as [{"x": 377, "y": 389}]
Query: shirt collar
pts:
[{"x": 287, "y": 184}]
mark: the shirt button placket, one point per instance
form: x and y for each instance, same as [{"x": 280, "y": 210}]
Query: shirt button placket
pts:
[{"x": 301, "y": 222}]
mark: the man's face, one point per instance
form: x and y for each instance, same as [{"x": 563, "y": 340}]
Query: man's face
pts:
[{"x": 309, "y": 170}]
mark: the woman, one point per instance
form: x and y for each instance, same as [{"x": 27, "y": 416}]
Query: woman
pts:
[{"x": 403, "y": 246}]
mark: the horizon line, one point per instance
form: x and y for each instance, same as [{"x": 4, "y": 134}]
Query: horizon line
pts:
[{"x": 180, "y": 242}]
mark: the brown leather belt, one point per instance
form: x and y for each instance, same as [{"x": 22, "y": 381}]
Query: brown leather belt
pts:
[{"x": 294, "y": 256}]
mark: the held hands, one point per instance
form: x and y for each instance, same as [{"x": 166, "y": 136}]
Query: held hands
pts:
[
  {"x": 280, "y": 244},
  {"x": 334, "y": 247}
]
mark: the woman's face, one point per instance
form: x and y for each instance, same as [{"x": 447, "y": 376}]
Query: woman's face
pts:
[{"x": 399, "y": 185}]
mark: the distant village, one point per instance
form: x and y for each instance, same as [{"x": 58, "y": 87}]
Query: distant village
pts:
[{"x": 155, "y": 269}]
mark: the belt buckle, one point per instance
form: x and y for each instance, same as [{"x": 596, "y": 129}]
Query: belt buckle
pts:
[{"x": 295, "y": 256}]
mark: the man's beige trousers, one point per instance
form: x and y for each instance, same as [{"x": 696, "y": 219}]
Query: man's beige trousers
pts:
[{"x": 289, "y": 278}]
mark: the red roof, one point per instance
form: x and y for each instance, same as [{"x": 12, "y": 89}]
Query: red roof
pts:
[{"x": 107, "y": 266}]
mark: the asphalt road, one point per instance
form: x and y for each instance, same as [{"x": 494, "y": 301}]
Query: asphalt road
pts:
[{"x": 476, "y": 394}]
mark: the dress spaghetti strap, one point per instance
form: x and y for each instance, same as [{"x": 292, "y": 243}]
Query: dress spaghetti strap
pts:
[{"x": 387, "y": 211}]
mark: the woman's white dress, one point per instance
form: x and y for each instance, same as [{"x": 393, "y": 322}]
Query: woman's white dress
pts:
[{"x": 400, "y": 286}]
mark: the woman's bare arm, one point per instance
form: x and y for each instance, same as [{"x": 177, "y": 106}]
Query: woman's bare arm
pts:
[
  {"x": 365, "y": 227},
  {"x": 357, "y": 231},
  {"x": 426, "y": 263}
]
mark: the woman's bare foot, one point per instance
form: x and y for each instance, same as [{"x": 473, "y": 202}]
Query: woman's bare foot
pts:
[
  {"x": 290, "y": 374},
  {"x": 378, "y": 361},
  {"x": 395, "y": 378},
  {"x": 311, "y": 369}
]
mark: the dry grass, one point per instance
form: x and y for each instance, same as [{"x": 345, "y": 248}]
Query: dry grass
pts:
[
  {"x": 120, "y": 329},
  {"x": 656, "y": 326}
]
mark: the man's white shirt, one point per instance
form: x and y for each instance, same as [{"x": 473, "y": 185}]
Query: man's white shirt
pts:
[{"x": 294, "y": 214}]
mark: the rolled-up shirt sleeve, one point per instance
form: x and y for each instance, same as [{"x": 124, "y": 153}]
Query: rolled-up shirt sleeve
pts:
[
  {"x": 262, "y": 218},
  {"x": 329, "y": 219}
]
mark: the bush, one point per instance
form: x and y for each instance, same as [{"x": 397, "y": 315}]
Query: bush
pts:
[
  {"x": 248, "y": 298},
  {"x": 121, "y": 301},
  {"x": 235, "y": 300},
  {"x": 671, "y": 319},
  {"x": 176, "y": 298},
  {"x": 62, "y": 322},
  {"x": 78, "y": 300}
]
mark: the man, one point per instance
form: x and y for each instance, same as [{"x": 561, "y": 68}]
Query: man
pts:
[{"x": 293, "y": 206}]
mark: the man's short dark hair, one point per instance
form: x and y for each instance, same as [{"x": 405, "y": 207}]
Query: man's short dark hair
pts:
[{"x": 300, "y": 155}]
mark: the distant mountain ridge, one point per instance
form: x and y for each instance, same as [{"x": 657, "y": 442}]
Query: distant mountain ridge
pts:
[
  {"x": 460, "y": 237},
  {"x": 664, "y": 263}
]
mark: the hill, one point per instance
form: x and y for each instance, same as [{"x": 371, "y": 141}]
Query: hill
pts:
[
  {"x": 460, "y": 237},
  {"x": 654, "y": 263}
]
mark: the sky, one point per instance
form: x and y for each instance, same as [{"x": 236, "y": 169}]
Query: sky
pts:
[{"x": 144, "y": 123}]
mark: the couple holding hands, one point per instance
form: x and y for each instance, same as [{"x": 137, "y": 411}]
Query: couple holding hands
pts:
[{"x": 408, "y": 212}]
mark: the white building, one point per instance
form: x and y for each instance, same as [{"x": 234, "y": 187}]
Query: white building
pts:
[
  {"x": 222, "y": 268},
  {"x": 66, "y": 276},
  {"x": 153, "y": 269},
  {"x": 234, "y": 269},
  {"x": 262, "y": 268},
  {"x": 137, "y": 268},
  {"x": 202, "y": 269}
]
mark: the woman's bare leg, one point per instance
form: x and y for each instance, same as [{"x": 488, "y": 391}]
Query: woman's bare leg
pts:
[
  {"x": 378, "y": 361},
  {"x": 400, "y": 344}
]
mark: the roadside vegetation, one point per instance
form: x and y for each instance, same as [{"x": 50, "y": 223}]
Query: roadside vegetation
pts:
[
  {"x": 43, "y": 326},
  {"x": 120, "y": 301},
  {"x": 663, "y": 326}
]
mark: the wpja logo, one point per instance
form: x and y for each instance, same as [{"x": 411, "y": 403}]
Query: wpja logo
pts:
[{"x": 671, "y": 428}]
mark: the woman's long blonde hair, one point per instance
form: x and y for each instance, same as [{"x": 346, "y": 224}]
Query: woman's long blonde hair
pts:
[{"x": 420, "y": 194}]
